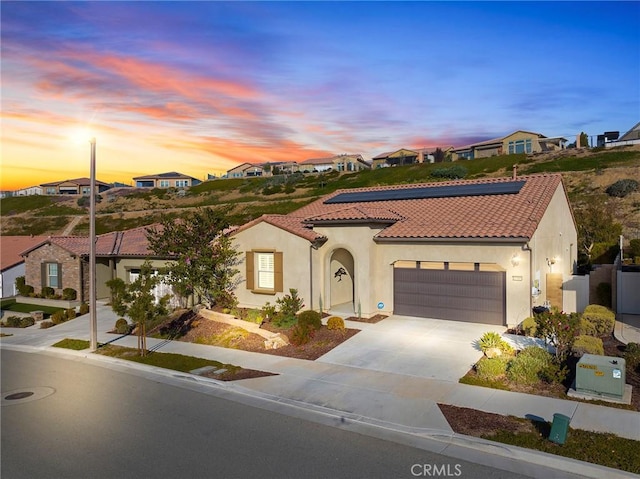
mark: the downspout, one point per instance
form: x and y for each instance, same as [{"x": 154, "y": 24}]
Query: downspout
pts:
[
  {"x": 527, "y": 247},
  {"x": 311, "y": 277}
]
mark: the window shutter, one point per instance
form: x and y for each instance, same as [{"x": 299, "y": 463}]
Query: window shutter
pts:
[
  {"x": 278, "y": 276},
  {"x": 43, "y": 274},
  {"x": 249, "y": 270},
  {"x": 60, "y": 275}
]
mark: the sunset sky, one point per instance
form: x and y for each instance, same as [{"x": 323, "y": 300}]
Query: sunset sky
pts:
[{"x": 199, "y": 87}]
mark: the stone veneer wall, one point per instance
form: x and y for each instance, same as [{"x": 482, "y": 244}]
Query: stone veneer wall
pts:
[{"x": 50, "y": 253}]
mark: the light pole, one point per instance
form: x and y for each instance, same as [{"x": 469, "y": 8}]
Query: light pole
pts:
[{"x": 93, "y": 320}]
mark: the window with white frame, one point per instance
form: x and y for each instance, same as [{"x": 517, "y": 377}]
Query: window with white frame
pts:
[
  {"x": 266, "y": 270},
  {"x": 182, "y": 183},
  {"x": 520, "y": 146},
  {"x": 164, "y": 183},
  {"x": 52, "y": 275}
]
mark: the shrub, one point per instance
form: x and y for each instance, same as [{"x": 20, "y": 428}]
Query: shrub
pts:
[
  {"x": 71, "y": 313},
  {"x": 602, "y": 319},
  {"x": 301, "y": 334},
  {"x": 632, "y": 356},
  {"x": 449, "y": 172},
  {"x": 269, "y": 311},
  {"x": 69, "y": 294},
  {"x": 622, "y": 188},
  {"x": 559, "y": 330},
  {"x": 492, "y": 369},
  {"x": 23, "y": 288},
  {"x": 529, "y": 326},
  {"x": 290, "y": 303},
  {"x": 587, "y": 345},
  {"x": 84, "y": 309},
  {"x": 310, "y": 318},
  {"x": 45, "y": 324},
  {"x": 58, "y": 317},
  {"x": 122, "y": 326},
  {"x": 529, "y": 366},
  {"x": 12, "y": 322},
  {"x": 335, "y": 322},
  {"x": 490, "y": 340},
  {"x": 634, "y": 244},
  {"x": 48, "y": 292},
  {"x": 27, "y": 321}
]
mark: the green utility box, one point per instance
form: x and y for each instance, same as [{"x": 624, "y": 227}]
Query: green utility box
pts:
[
  {"x": 559, "y": 428},
  {"x": 601, "y": 376}
]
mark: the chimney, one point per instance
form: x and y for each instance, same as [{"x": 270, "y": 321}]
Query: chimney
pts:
[
  {"x": 515, "y": 171},
  {"x": 578, "y": 141}
]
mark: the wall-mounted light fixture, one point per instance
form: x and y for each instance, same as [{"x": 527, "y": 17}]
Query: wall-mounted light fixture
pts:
[
  {"x": 551, "y": 261},
  {"x": 515, "y": 259}
]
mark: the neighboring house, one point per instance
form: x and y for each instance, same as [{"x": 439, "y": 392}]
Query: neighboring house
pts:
[
  {"x": 342, "y": 162},
  {"x": 517, "y": 142},
  {"x": 11, "y": 263},
  {"x": 478, "y": 251},
  {"x": 402, "y": 156},
  {"x": 171, "y": 179},
  {"x": 77, "y": 186},
  {"x": 428, "y": 155},
  {"x": 245, "y": 170},
  {"x": 63, "y": 261},
  {"x": 606, "y": 137},
  {"x": 632, "y": 137},
  {"x": 29, "y": 191}
]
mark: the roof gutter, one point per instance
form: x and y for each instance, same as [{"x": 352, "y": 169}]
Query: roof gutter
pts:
[{"x": 514, "y": 240}]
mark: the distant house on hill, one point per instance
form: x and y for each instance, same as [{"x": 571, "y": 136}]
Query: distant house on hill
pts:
[
  {"x": 344, "y": 162},
  {"x": 519, "y": 141},
  {"x": 632, "y": 137},
  {"x": 77, "y": 186},
  {"x": 245, "y": 170},
  {"x": 171, "y": 179}
]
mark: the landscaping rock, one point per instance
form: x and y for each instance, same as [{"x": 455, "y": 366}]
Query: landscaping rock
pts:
[
  {"x": 276, "y": 341},
  {"x": 493, "y": 353}
]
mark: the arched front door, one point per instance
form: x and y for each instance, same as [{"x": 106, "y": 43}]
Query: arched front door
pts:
[{"x": 342, "y": 284}]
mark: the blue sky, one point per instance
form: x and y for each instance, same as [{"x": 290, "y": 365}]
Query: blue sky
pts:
[{"x": 199, "y": 87}]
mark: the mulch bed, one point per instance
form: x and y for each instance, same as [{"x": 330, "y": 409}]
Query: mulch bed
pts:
[
  {"x": 472, "y": 422},
  {"x": 373, "y": 319}
]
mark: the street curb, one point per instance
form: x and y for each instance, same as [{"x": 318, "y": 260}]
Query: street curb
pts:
[{"x": 515, "y": 459}]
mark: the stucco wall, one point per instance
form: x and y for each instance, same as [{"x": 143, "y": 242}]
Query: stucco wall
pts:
[{"x": 8, "y": 280}]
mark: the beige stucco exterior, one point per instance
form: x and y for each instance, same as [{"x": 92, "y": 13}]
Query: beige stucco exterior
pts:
[{"x": 367, "y": 277}]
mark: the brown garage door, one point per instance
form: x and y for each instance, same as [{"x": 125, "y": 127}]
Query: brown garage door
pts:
[{"x": 472, "y": 296}]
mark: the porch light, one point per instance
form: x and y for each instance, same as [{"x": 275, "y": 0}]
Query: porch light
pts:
[{"x": 515, "y": 259}]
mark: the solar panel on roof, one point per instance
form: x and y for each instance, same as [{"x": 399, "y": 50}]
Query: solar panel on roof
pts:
[{"x": 424, "y": 192}]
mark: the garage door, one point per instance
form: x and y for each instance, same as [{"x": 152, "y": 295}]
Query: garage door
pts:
[{"x": 471, "y": 296}]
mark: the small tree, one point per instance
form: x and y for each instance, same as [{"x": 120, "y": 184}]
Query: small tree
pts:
[
  {"x": 137, "y": 300},
  {"x": 584, "y": 140},
  {"x": 205, "y": 259},
  {"x": 559, "y": 330},
  {"x": 595, "y": 225}
]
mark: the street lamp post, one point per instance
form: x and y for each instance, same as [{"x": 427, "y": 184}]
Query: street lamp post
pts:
[{"x": 93, "y": 326}]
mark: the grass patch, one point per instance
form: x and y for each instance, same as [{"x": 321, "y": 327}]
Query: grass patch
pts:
[
  {"x": 22, "y": 226},
  {"x": 22, "y": 204},
  {"x": 75, "y": 344},
  {"x": 176, "y": 362},
  {"x": 28, "y": 308},
  {"x": 487, "y": 383},
  {"x": 597, "y": 448},
  {"x": 229, "y": 339},
  {"x": 593, "y": 162}
]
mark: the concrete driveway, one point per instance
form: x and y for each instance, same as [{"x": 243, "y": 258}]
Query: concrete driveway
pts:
[{"x": 422, "y": 347}]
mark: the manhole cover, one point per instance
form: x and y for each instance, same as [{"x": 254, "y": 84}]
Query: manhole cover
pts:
[{"x": 21, "y": 396}]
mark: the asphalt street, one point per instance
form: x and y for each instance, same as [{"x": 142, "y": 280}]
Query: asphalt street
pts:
[{"x": 85, "y": 420}]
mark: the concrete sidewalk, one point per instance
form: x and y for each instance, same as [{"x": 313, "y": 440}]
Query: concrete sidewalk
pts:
[{"x": 391, "y": 402}]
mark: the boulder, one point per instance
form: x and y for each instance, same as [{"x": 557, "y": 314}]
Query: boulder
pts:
[
  {"x": 493, "y": 352},
  {"x": 276, "y": 341}
]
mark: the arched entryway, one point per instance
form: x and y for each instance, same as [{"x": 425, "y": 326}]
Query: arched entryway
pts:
[{"x": 341, "y": 268}]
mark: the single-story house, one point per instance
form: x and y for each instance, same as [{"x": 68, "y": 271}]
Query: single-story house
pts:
[
  {"x": 171, "y": 179},
  {"x": 484, "y": 250},
  {"x": 29, "y": 191},
  {"x": 11, "y": 262},
  {"x": 63, "y": 262},
  {"x": 77, "y": 186},
  {"x": 403, "y": 156},
  {"x": 631, "y": 137},
  {"x": 342, "y": 162},
  {"x": 519, "y": 141}
]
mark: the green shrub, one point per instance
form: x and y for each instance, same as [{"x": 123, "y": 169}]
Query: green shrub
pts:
[
  {"x": 58, "y": 317},
  {"x": 122, "y": 326},
  {"x": 622, "y": 188},
  {"x": 84, "y": 309},
  {"x": 48, "y": 292},
  {"x": 310, "y": 318},
  {"x": 12, "y": 322},
  {"x": 27, "y": 321},
  {"x": 632, "y": 356},
  {"x": 45, "y": 324},
  {"x": 23, "y": 288},
  {"x": 71, "y": 313},
  {"x": 69, "y": 294},
  {"x": 450, "y": 172},
  {"x": 634, "y": 244},
  {"x": 492, "y": 369},
  {"x": 492, "y": 339},
  {"x": 301, "y": 334},
  {"x": 529, "y": 366},
  {"x": 559, "y": 330},
  {"x": 587, "y": 345},
  {"x": 587, "y": 328},
  {"x": 602, "y": 319},
  {"x": 289, "y": 304},
  {"x": 529, "y": 326},
  {"x": 269, "y": 311},
  {"x": 335, "y": 323}
]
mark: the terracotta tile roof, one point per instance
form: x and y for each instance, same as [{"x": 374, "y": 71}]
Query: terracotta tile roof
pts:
[
  {"x": 290, "y": 223},
  {"x": 318, "y": 161},
  {"x": 356, "y": 213},
  {"x": 12, "y": 246},
  {"x": 484, "y": 216},
  {"x": 76, "y": 181},
  {"x": 170, "y": 174},
  {"x": 131, "y": 242}
]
